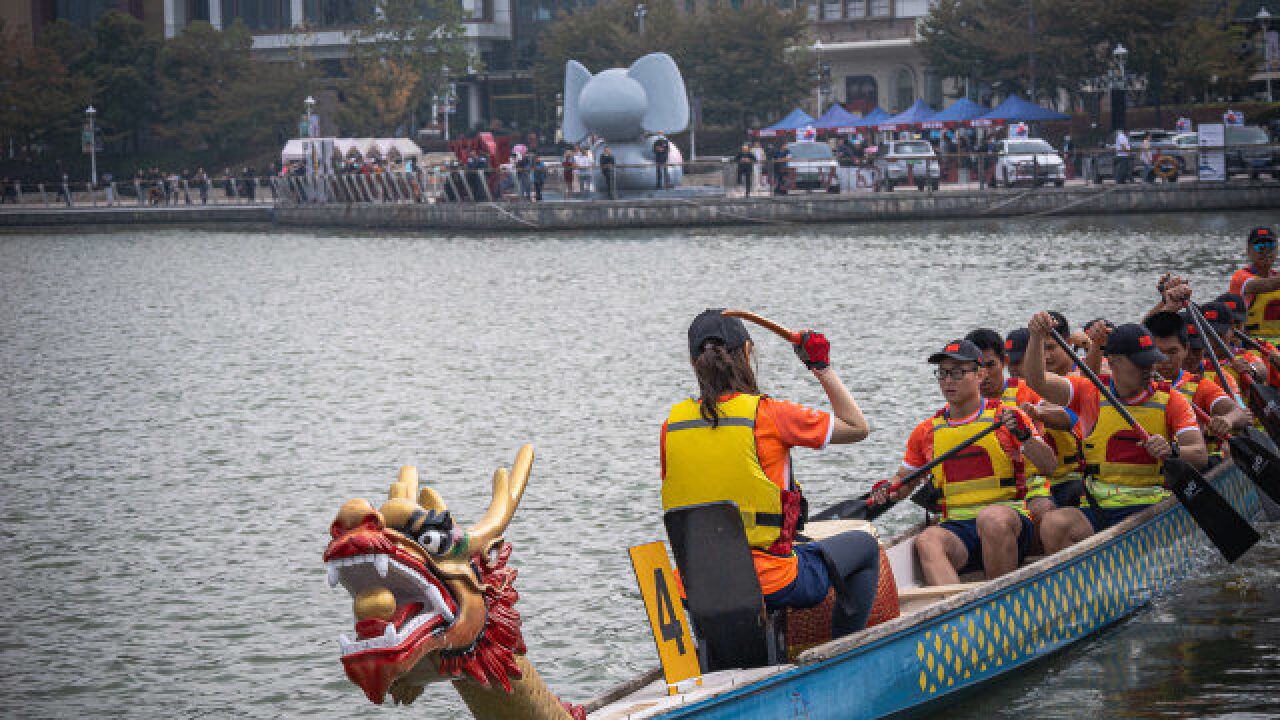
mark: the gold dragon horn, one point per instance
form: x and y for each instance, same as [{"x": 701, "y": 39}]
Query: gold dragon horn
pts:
[
  {"x": 507, "y": 491},
  {"x": 405, "y": 486}
]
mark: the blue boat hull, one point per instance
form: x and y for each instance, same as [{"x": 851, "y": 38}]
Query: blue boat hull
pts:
[{"x": 993, "y": 634}]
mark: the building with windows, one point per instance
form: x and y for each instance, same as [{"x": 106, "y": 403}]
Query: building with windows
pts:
[
  {"x": 26, "y": 18},
  {"x": 869, "y": 46}
]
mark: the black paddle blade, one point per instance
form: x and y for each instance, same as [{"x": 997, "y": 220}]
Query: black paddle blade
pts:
[
  {"x": 1257, "y": 461},
  {"x": 1230, "y": 533},
  {"x": 858, "y": 508},
  {"x": 1264, "y": 401}
]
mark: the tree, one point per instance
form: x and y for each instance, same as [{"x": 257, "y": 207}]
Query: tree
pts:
[
  {"x": 195, "y": 72},
  {"x": 403, "y": 54},
  {"x": 43, "y": 103},
  {"x": 122, "y": 66},
  {"x": 744, "y": 64}
]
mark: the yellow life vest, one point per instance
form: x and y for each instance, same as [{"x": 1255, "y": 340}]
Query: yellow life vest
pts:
[
  {"x": 1038, "y": 485},
  {"x": 1263, "y": 316},
  {"x": 1122, "y": 473},
  {"x": 983, "y": 474},
  {"x": 713, "y": 464}
]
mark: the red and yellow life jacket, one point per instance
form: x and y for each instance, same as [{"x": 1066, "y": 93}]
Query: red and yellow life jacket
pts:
[
  {"x": 988, "y": 472},
  {"x": 713, "y": 464},
  {"x": 1122, "y": 473},
  {"x": 1064, "y": 443},
  {"x": 1263, "y": 316}
]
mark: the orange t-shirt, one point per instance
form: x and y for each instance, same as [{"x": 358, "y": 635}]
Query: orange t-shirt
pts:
[
  {"x": 1207, "y": 393},
  {"x": 920, "y": 442},
  {"x": 1242, "y": 276},
  {"x": 780, "y": 426},
  {"x": 1086, "y": 402}
]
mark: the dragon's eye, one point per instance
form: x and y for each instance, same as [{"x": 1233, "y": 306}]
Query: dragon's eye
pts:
[{"x": 435, "y": 541}]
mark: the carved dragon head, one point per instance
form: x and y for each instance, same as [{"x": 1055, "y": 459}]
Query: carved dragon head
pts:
[{"x": 432, "y": 602}]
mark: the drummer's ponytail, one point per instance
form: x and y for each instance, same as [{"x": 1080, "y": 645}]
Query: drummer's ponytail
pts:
[{"x": 721, "y": 372}]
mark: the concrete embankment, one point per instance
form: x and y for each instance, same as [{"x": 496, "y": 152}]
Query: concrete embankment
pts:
[
  {"x": 907, "y": 205},
  {"x": 904, "y": 205},
  {"x": 127, "y": 215}
]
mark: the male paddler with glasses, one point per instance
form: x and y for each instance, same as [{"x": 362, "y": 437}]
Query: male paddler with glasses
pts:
[
  {"x": 1123, "y": 472},
  {"x": 1259, "y": 284},
  {"x": 983, "y": 488},
  {"x": 733, "y": 443}
]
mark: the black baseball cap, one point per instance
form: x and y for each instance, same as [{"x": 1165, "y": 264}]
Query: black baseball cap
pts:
[
  {"x": 1194, "y": 340},
  {"x": 957, "y": 350},
  {"x": 1262, "y": 233},
  {"x": 1219, "y": 317},
  {"x": 1235, "y": 302},
  {"x": 1168, "y": 325},
  {"x": 1134, "y": 342},
  {"x": 712, "y": 325},
  {"x": 1015, "y": 344}
]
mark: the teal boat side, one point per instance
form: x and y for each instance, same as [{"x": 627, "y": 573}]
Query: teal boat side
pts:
[{"x": 994, "y": 633}]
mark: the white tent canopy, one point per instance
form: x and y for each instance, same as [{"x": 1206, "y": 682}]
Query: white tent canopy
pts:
[{"x": 405, "y": 148}]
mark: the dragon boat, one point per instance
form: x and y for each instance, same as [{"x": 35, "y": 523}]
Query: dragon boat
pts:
[{"x": 425, "y": 616}]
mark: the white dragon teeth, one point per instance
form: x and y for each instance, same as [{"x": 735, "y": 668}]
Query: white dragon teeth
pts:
[
  {"x": 331, "y": 570},
  {"x": 389, "y": 634},
  {"x": 344, "y": 642},
  {"x": 382, "y": 563}
]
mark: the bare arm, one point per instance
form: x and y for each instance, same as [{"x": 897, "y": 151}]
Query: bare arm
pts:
[
  {"x": 1233, "y": 414},
  {"x": 1051, "y": 416},
  {"x": 1039, "y": 453},
  {"x": 1257, "y": 285},
  {"x": 1049, "y": 386},
  {"x": 1191, "y": 448},
  {"x": 850, "y": 424}
]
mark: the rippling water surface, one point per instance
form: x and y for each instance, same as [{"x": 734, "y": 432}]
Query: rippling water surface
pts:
[{"x": 182, "y": 412}]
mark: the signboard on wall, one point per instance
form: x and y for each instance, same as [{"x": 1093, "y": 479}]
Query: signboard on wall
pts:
[{"x": 1213, "y": 159}]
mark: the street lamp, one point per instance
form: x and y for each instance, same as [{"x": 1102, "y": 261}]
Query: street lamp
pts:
[
  {"x": 817, "y": 46},
  {"x": 1264, "y": 18},
  {"x": 641, "y": 11},
  {"x": 93, "y": 147},
  {"x": 1119, "y": 88},
  {"x": 310, "y": 102}
]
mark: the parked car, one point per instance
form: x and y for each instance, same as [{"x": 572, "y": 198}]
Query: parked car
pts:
[
  {"x": 1249, "y": 152},
  {"x": 1102, "y": 164},
  {"x": 1031, "y": 161},
  {"x": 906, "y": 161},
  {"x": 813, "y": 166}
]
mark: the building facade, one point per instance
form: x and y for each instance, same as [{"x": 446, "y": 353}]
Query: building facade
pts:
[{"x": 869, "y": 46}]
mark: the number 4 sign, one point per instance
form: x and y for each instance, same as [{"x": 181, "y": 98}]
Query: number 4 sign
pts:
[{"x": 666, "y": 616}]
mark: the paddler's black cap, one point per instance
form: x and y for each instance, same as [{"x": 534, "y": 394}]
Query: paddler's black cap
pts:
[
  {"x": 1262, "y": 233},
  {"x": 1235, "y": 302},
  {"x": 1168, "y": 325},
  {"x": 1134, "y": 342},
  {"x": 1219, "y": 317},
  {"x": 1194, "y": 340},
  {"x": 1015, "y": 344},
  {"x": 957, "y": 350},
  {"x": 711, "y": 325}
]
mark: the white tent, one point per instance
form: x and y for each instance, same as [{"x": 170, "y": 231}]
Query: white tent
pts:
[{"x": 364, "y": 147}]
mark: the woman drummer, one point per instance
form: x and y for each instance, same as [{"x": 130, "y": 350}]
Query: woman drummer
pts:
[{"x": 733, "y": 443}]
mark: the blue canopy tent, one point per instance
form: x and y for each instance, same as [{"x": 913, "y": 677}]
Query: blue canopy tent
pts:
[
  {"x": 836, "y": 118},
  {"x": 874, "y": 117},
  {"x": 961, "y": 111},
  {"x": 918, "y": 113},
  {"x": 1015, "y": 109},
  {"x": 794, "y": 120}
]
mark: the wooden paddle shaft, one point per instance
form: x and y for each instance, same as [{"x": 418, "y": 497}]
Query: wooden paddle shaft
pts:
[
  {"x": 789, "y": 335},
  {"x": 1103, "y": 389}
]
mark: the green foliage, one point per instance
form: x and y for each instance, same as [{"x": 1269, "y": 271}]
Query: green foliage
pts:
[
  {"x": 399, "y": 58},
  {"x": 745, "y": 64},
  {"x": 1175, "y": 44}
]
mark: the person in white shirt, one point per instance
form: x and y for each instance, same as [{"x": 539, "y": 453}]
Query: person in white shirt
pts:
[
  {"x": 1123, "y": 166},
  {"x": 582, "y": 162}
]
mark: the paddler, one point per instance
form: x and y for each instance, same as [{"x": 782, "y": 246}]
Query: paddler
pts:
[
  {"x": 1169, "y": 330},
  {"x": 985, "y": 525},
  {"x": 1258, "y": 284},
  {"x": 1235, "y": 360},
  {"x": 1269, "y": 354},
  {"x": 734, "y": 443},
  {"x": 1123, "y": 473},
  {"x": 1055, "y": 423}
]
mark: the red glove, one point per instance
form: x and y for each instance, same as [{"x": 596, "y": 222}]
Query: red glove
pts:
[{"x": 813, "y": 350}]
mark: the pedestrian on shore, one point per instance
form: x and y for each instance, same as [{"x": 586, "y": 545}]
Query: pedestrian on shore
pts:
[
  {"x": 757, "y": 170},
  {"x": 608, "y": 170},
  {"x": 202, "y": 180},
  {"x": 65, "y": 189},
  {"x": 539, "y": 177},
  {"x": 566, "y": 170},
  {"x": 1123, "y": 164},
  {"x": 582, "y": 163},
  {"x": 251, "y": 189},
  {"x": 746, "y": 168},
  {"x": 7, "y": 192},
  {"x": 109, "y": 187},
  {"x": 524, "y": 164},
  {"x": 661, "y": 153},
  {"x": 780, "y": 157},
  {"x": 229, "y": 181}
]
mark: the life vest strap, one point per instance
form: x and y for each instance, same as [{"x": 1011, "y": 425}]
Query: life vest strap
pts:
[{"x": 703, "y": 423}]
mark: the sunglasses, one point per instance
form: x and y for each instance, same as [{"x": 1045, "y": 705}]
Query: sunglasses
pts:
[
  {"x": 1264, "y": 245},
  {"x": 956, "y": 373}
]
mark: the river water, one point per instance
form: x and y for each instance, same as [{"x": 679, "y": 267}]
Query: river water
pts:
[{"x": 183, "y": 411}]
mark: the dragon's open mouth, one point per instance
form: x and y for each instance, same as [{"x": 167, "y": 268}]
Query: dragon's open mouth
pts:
[{"x": 406, "y": 601}]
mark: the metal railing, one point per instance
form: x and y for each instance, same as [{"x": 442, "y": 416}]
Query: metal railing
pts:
[
  {"x": 136, "y": 193},
  {"x": 972, "y": 171}
]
